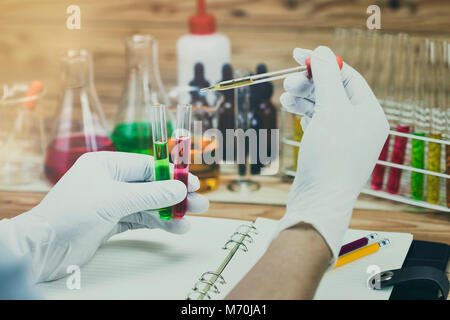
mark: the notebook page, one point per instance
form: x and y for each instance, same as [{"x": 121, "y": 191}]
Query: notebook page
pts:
[
  {"x": 346, "y": 282},
  {"x": 150, "y": 264},
  {"x": 350, "y": 281},
  {"x": 243, "y": 262}
]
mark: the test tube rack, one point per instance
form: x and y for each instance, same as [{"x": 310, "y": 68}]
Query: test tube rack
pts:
[{"x": 403, "y": 195}]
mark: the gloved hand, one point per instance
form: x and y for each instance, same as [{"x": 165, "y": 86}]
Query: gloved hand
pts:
[
  {"x": 344, "y": 131},
  {"x": 103, "y": 194}
]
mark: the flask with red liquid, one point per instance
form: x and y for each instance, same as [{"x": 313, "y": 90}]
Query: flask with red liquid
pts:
[{"x": 80, "y": 125}]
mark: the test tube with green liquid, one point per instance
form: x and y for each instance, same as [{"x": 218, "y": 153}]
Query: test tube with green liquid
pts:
[
  {"x": 421, "y": 119},
  {"x": 161, "y": 151}
]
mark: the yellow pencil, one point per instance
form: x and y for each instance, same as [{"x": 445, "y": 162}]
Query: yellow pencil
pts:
[{"x": 357, "y": 254}]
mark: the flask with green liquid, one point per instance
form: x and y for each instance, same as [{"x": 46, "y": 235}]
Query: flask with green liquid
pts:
[{"x": 143, "y": 88}]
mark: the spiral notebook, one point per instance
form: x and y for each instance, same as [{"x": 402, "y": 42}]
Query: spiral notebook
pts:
[{"x": 206, "y": 263}]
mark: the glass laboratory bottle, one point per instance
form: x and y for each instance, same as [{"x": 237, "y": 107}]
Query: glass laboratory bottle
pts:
[
  {"x": 201, "y": 145},
  {"x": 80, "y": 124},
  {"x": 246, "y": 147},
  {"x": 22, "y": 138},
  {"x": 143, "y": 88},
  {"x": 225, "y": 113},
  {"x": 263, "y": 116}
]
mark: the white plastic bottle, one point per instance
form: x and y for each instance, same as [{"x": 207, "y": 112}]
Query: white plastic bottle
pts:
[{"x": 202, "y": 45}]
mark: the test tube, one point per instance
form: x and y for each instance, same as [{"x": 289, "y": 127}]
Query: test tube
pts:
[
  {"x": 161, "y": 151},
  {"x": 434, "y": 149},
  {"x": 421, "y": 116},
  {"x": 182, "y": 154},
  {"x": 403, "y": 112},
  {"x": 447, "y": 113},
  {"x": 383, "y": 83}
]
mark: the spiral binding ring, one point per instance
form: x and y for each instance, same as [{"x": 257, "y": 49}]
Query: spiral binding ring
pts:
[
  {"x": 219, "y": 277},
  {"x": 249, "y": 228},
  {"x": 210, "y": 283},
  {"x": 246, "y": 235},
  {"x": 199, "y": 292},
  {"x": 245, "y": 249}
]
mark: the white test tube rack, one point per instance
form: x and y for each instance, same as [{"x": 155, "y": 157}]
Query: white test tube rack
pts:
[{"x": 402, "y": 197}]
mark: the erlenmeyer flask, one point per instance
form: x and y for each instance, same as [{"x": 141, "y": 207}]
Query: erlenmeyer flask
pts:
[
  {"x": 21, "y": 133},
  {"x": 143, "y": 88},
  {"x": 80, "y": 124}
]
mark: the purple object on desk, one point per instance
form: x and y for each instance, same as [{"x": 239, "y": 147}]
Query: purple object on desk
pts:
[{"x": 352, "y": 246}]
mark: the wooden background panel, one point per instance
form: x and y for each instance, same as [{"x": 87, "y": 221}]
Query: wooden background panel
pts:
[
  {"x": 422, "y": 15},
  {"x": 33, "y": 34},
  {"x": 107, "y": 46}
]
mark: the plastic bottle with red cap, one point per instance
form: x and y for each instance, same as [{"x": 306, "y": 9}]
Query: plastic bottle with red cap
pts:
[{"x": 202, "y": 45}]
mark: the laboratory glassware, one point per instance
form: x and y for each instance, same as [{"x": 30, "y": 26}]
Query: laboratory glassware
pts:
[
  {"x": 181, "y": 153},
  {"x": 80, "y": 125},
  {"x": 203, "y": 145},
  {"x": 161, "y": 151},
  {"x": 421, "y": 121},
  {"x": 22, "y": 138},
  {"x": 297, "y": 136},
  {"x": 225, "y": 112},
  {"x": 246, "y": 150},
  {"x": 436, "y": 120},
  {"x": 383, "y": 81},
  {"x": 263, "y": 116},
  {"x": 143, "y": 87},
  {"x": 251, "y": 80},
  {"x": 402, "y": 112},
  {"x": 446, "y": 83}
]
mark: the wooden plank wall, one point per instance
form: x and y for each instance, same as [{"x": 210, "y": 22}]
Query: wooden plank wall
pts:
[{"x": 33, "y": 33}]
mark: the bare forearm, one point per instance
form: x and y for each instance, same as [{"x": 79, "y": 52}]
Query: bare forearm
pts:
[{"x": 291, "y": 268}]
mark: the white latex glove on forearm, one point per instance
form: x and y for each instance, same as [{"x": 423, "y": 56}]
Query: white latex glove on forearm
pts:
[
  {"x": 103, "y": 194},
  {"x": 344, "y": 131}
]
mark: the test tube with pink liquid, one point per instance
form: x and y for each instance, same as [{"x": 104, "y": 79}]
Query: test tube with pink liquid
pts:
[{"x": 181, "y": 153}]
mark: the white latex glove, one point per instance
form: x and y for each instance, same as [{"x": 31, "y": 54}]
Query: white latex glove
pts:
[
  {"x": 344, "y": 131},
  {"x": 103, "y": 194}
]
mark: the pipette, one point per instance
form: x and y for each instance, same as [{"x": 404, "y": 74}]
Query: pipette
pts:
[{"x": 265, "y": 77}]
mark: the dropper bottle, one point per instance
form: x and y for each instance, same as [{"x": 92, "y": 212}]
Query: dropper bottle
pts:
[
  {"x": 198, "y": 100},
  {"x": 263, "y": 115},
  {"x": 225, "y": 112},
  {"x": 203, "y": 44}
]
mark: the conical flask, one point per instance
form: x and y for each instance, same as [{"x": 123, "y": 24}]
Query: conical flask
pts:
[
  {"x": 80, "y": 124},
  {"x": 22, "y": 138},
  {"x": 143, "y": 88}
]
